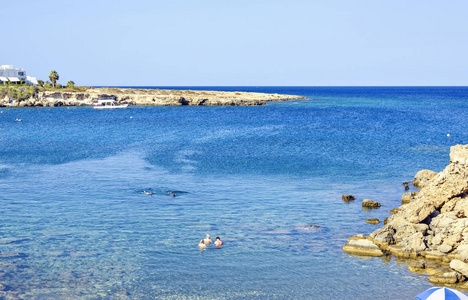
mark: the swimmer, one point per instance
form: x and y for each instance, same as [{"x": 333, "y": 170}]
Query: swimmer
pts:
[
  {"x": 172, "y": 194},
  {"x": 202, "y": 245},
  {"x": 148, "y": 193},
  {"x": 207, "y": 241},
  {"x": 218, "y": 243}
]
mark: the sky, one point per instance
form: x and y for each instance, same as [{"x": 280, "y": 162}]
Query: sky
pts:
[{"x": 239, "y": 42}]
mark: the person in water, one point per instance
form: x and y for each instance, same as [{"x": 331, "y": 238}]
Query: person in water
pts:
[
  {"x": 202, "y": 245},
  {"x": 148, "y": 193},
  {"x": 218, "y": 243},
  {"x": 207, "y": 241}
]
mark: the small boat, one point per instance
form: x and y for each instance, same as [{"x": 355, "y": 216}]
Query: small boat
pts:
[{"x": 108, "y": 103}]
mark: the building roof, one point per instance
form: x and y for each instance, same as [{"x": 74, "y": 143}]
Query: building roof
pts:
[{"x": 3, "y": 79}]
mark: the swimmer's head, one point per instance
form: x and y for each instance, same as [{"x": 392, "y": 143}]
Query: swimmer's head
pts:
[
  {"x": 217, "y": 238},
  {"x": 207, "y": 236},
  {"x": 202, "y": 241}
]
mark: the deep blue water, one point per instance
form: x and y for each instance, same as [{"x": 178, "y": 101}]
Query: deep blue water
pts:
[{"x": 72, "y": 207}]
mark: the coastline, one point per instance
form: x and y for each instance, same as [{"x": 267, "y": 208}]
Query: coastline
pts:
[
  {"x": 145, "y": 97},
  {"x": 256, "y": 176}
]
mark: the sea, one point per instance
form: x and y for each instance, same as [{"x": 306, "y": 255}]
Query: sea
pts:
[{"x": 268, "y": 180}]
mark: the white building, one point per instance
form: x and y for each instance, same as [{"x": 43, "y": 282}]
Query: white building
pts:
[{"x": 8, "y": 73}]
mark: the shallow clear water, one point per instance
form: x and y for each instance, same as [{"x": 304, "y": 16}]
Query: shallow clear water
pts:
[{"x": 72, "y": 207}]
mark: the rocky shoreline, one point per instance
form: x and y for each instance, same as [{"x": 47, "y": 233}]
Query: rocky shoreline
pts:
[
  {"x": 146, "y": 97},
  {"x": 430, "y": 229}
]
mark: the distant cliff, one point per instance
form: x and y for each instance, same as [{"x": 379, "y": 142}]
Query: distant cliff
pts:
[{"x": 155, "y": 97}]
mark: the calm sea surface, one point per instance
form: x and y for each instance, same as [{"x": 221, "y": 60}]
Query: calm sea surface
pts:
[{"x": 76, "y": 225}]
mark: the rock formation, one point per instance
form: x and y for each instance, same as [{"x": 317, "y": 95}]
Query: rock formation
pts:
[
  {"x": 432, "y": 226},
  {"x": 367, "y": 203},
  {"x": 347, "y": 198},
  {"x": 154, "y": 97}
]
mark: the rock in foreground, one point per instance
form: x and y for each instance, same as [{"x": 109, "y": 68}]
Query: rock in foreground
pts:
[{"x": 434, "y": 225}]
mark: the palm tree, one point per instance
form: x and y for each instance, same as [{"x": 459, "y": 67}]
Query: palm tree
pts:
[
  {"x": 54, "y": 76},
  {"x": 70, "y": 83}
]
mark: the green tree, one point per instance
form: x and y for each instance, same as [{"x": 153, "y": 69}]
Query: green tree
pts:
[
  {"x": 54, "y": 76},
  {"x": 70, "y": 83},
  {"x": 59, "y": 86},
  {"x": 40, "y": 82}
]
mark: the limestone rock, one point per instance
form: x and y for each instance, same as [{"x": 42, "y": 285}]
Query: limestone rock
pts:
[
  {"x": 361, "y": 246},
  {"x": 433, "y": 225},
  {"x": 422, "y": 177},
  {"x": 415, "y": 242},
  {"x": 384, "y": 235},
  {"x": 373, "y": 221},
  {"x": 416, "y": 266},
  {"x": 367, "y": 203},
  {"x": 408, "y": 197},
  {"x": 446, "y": 278},
  {"x": 148, "y": 97},
  {"x": 444, "y": 248},
  {"x": 459, "y": 266}
]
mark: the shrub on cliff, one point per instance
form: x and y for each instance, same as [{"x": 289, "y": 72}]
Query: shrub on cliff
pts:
[{"x": 18, "y": 92}]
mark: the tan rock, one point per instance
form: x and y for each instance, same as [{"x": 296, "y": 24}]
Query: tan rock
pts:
[
  {"x": 415, "y": 242},
  {"x": 446, "y": 278},
  {"x": 363, "y": 247},
  {"x": 459, "y": 266},
  {"x": 436, "y": 269},
  {"x": 384, "y": 235},
  {"x": 408, "y": 197},
  {"x": 444, "y": 248},
  {"x": 433, "y": 224},
  {"x": 373, "y": 221},
  {"x": 422, "y": 177},
  {"x": 458, "y": 154},
  {"x": 367, "y": 203},
  {"x": 417, "y": 266}
]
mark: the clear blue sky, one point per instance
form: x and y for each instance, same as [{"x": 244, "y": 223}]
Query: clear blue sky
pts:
[{"x": 239, "y": 42}]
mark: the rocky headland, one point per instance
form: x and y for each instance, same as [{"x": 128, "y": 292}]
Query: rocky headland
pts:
[
  {"x": 430, "y": 229},
  {"x": 153, "y": 97}
]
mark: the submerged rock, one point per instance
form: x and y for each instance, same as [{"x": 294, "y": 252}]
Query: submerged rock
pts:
[
  {"x": 8, "y": 255},
  {"x": 373, "y": 221},
  {"x": 307, "y": 228},
  {"x": 347, "y": 198}
]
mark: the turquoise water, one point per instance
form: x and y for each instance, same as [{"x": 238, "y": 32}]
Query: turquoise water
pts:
[{"x": 76, "y": 225}]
